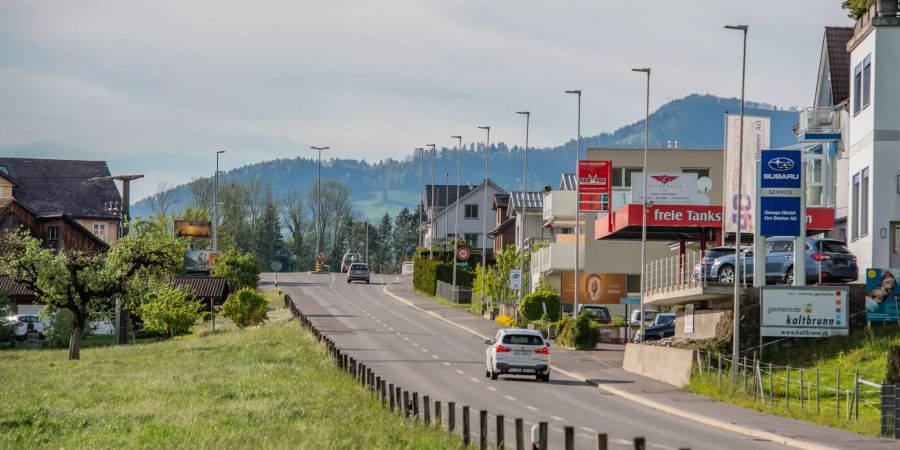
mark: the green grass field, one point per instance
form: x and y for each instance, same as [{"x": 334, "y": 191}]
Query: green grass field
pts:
[{"x": 263, "y": 387}]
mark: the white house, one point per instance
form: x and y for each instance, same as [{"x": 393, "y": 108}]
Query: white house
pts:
[{"x": 469, "y": 210}]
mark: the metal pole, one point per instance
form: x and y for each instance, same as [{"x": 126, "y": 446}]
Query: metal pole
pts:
[
  {"x": 522, "y": 226},
  {"x": 367, "y": 241},
  {"x": 421, "y": 191},
  {"x": 577, "y": 213},
  {"x": 487, "y": 151},
  {"x": 644, "y": 203},
  {"x": 447, "y": 207},
  {"x": 319, "y": 230},
  {"x": 736, "y": 337},
  {"x": 456, "y": 214},
  {"x": 800, "y": 241},
  {"x": 433, "y": 199}
]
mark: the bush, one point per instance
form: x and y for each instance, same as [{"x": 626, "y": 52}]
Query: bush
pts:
[
  {"x": 245, "y": 308},
  {"x": 506, "y": 321},
  {"x": 532, "y": 309},
  {"x": 427, "y": 272},
  {"x": 240, "y": 269},
  {"x": 170, "y": 311},
  {"x": 59, "y": 331},
  {"x": 580, "y": 334}
]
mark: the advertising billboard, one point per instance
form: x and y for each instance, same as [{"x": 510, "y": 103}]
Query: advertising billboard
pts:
[
  {"x": 780, "y": 192},
  {"x": 193, "y": 228},
  {"x": 594, "y": 185},
  {"x": 200, "y": 260},
  {"x": 883, "y": 295},
  {"x": 756, "y": 138},
  {"x": 608, "y": 288},
  {"x": 811, "y": 311},
  {"x": 665, "y": 188}
]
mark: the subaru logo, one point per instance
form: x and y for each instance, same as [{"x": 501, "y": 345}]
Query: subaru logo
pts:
[{"x": 781, "y": 164}]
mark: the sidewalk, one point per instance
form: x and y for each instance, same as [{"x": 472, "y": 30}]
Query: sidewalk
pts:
[{"x": 602, "y": 368}]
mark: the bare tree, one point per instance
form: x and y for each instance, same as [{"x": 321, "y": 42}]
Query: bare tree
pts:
[
  {"x": 335, "y": 203},
  {"x": 163, "y": 199}
]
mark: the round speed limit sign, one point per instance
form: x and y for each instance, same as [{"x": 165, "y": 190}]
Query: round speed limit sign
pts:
[{"x": 462, "y": 253}]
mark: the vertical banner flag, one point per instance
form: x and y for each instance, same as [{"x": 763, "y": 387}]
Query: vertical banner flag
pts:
[
  {"x": 780, "y": 193},
  {"x": 882, "y": 295},
  {"x": 594, "y": 185},
  {"x": 756, "y": 138}
]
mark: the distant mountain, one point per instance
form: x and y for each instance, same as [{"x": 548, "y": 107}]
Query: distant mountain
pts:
[{"x": 696, "y": 121}]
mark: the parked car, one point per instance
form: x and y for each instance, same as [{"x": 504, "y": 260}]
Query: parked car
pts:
[
  {"x": 635, "y": 318},
  {"x": 656, "y": 332},
  {"x": 515, "y": 351},
  {"x": 831, "y": 256},
  {"x": 663, "y": 319},
  {"x": 23, "y": 324},
  {"x": 350, "y": 257},
  {"x": 598, "y": 313},
  {"x": 358, "y": 272}
]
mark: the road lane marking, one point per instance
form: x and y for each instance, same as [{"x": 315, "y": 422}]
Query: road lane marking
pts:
[
  {"x": 391, "y": 329},
  {"x": 446, "y": 363},
  {"x": 415, "y": 345},
  {"x": 405, "y": 338},
  {"x": 491, "y": 388},
  {"x": 623, "y": 441},
  {"x": 459, "y": 371},
  {"x": 474, "y": 380},
  {"x": 510, "y": 397},
  {"x": 531, "y": 407},
  {"x": 557, "y": 418},
  {"x": 589, "y": 430},
  {"x": 435, "y": 356},
  {"x": 398, "y": 334}
]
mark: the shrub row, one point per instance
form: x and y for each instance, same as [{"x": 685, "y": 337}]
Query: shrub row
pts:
[
  {"x": 532, "y": 307},
  {"x": 426, "y": 274}
]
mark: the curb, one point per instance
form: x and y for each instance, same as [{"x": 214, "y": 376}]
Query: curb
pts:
[{"x": 759, "y": 434}]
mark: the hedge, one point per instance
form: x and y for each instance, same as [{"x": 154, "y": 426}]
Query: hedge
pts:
[
  {"x": 531, "y": 307},
  {"x": 427, "y": 272},
  {"x": 580, "y": 333}
]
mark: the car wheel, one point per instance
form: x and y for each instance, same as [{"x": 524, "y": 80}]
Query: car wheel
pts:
[
  {"x": 367, "y": 281},
  {"x": 494, "y": 375},
  {"x": 789, "y": 277},
  {"x": 726, "y": 274},
  {"x": 546, "y": 378}
]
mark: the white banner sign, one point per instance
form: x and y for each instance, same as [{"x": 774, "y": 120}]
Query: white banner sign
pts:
[
  {"x": 812, "y": 311},
  {"x": 756, "y": 139},
  {"x": 515, "y": 279},
  {"x": 666, "y": 188}
]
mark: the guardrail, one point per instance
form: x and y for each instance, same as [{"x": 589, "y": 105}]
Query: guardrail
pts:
[
  {"x": 674, "y": 273},
  {"x": 405, "y": 403}
]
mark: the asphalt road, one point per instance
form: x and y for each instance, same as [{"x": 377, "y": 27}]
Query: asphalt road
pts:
[{"x": 431, "y": 357}]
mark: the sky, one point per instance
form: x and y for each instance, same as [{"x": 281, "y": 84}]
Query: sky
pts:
[{"x": 157, "y": 87}]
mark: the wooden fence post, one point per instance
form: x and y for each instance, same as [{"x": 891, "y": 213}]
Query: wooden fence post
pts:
[
  {"x": 391, "y": 390},
  {"x": 570, "y": 437},
  {"x": 543, "y": 435},
  {"x": 501, "y": 439},
  {"x": 640, "y": 443},
  {"x": 451, "y": 416},
  {"x": 465, "y": 418},
  {"x": 426, "y": 408},
  {"x": 483, "y": 430},
  {"x": 602, "y": 441},
  {"x": 520, "y": 434},
  {"x": 437, "y": 413}
]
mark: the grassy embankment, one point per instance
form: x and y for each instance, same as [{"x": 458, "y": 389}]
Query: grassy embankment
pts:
[
  {"x": 263, "y": 387},
  {"x": 863, "y": 351}
]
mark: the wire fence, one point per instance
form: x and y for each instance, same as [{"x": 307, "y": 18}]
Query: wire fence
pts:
[{"x": 811, "y": 390}]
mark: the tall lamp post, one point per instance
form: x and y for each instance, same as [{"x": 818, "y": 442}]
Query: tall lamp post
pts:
[
  {"x": 456, "y": 213},
  {"x": 736, "y": 334},
  {"x": 419, "y": 212},
  {"x": 487, "y": 152},
  {"x": 433, "y": 201},
  {"x": 577, "y": 206},
  {"x": 527, "y": 115},
  {"x": 215, "y": 221},
  {"x": 319, "y": 231},
  {"x": 447, "y": 207},
  {"x": 646, "y": 201}
]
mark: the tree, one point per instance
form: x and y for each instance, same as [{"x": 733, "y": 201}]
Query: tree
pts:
[
  {"x": 405, "y": 236},
  {"x": 384, "y": 244},
  {"x": 245, "y": 307},
  {"x": 240, "y": 269},
  {"x": 88, "y": 283},
  {"x": 856, "y": 8},
  {"x": 170, "y": 310},
  {"x": 334, "y": 202},
  {"x": 297, "y": 225},
  {"x": 163, "y": 199},
  {"x": 267, "y": 240}
]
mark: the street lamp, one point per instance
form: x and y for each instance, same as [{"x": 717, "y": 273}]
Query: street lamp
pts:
[
  {"x": 456, "y": 213},
  {"x": 447, "y": 205},
  {"x": 421, "y": 193},
  {"x": 487, "y": 151},
  {"x": 646, "y": 199},
  {"x": 527, "y": 115},
  {"x": 216, "y": 205},
  {"x": 319, "y": 231},
  {"x": 577, "y": 206},
  {"x": 736, "y": 334},
  {"x": 433, "y": 201}
]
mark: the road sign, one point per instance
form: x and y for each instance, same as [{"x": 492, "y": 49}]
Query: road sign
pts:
[
  {"x": 808, "y": 311},
  {"x": 515, "y": 279},
  {"x": 780, "y": 192},
  {"x": 321, "y": 256},
  {"x": 276, "y": 266},
  {"x": 462, "y": 253},
  {"x": 594, "y": 185},
  {"x": 630, "y": 301}
]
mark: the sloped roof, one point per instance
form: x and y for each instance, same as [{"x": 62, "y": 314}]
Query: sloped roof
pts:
[
  {"x": 501, "y": 201},
  {"x": 503, "y": 226},
  {"x": 567, "y": 182},
  {"x": 204, "y": 287},
  {"x": 532, "y": 200},
  {"x": 12, "y": 288},
  {"x": 836, "y": 39},
  {"x": 445, "y": 194},
  {"x": 62, "y": 186}
]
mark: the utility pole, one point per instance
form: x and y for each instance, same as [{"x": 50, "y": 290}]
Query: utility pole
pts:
[
  {"x": 319, "y": 230},
  {"x": 419, "y": 212},
  {"x": 646, "y": 200},
  {"x": 487, "y": 151},
  {"x": 577, "y": 206},
  {"x": 433, "y": 201},
  {"x": 456, "y": 214},
  {"x": 527, "y": 115},
  {"x": 215, "y": 221}
]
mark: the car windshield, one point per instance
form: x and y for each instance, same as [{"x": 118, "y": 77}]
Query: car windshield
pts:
[
  {"x": 833, "y": 247},
  {"x": 717, "y": 252},
  {"x": 29, "y": 319},
  {"x": 523, "y": 339},
  {"x": 664, "y": 319},
  {"x": 596, "y": 312},
  {"x": 358, "y": 267}
]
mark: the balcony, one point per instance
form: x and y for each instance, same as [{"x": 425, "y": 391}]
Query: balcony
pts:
[
  {"x": 559, "y": 208},
  {"x": 819, "y": 125},
  {"x": 557, "y": 257},
  {"x": 681, "y": 279}
]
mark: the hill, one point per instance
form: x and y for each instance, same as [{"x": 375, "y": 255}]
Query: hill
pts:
[{"x": 388, "y": 185}]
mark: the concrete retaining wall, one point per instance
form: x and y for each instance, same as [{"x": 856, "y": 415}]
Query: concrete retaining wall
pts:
[
  {"x": 666, "y": 364},
  {"x": 705, "y": 323}
]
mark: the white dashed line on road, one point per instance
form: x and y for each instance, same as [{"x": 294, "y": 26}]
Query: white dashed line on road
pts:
[
  {"x": 490, "y": 388},
  {"x": 405, "y": 338},
  {"x": 446, "y": 363},
  {"x": 589, "y": 430},
  {"x": 557, "y": 418},
  {"x": 415, "y": 345},
  {"x": 531, "y": 407},
  {"x": 510, "y": 397},
  {"x": 459, "y": 371},
  {"x": 474, "y": 380},
  {"x": 435, "y": 356}
]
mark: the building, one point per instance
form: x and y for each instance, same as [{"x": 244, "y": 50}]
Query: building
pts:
[
  {"x": 445, "y": 210},
  {"x": 64, "y": 203},
  {"x": 873, "y": 141},
  {"x": 510, "y": 219}
]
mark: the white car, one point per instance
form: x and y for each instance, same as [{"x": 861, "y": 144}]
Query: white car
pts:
[
  {"x": 515, "y": 351},
  {"x": 23, "y": 324}
]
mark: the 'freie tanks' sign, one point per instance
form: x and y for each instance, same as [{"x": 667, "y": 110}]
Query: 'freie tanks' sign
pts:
[{"x": 813, "y": 311}]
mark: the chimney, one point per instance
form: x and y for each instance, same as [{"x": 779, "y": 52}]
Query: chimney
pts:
[{"x": 547, "y": 189}]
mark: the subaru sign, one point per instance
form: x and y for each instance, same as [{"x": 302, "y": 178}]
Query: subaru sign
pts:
[{"x": 780, "y": 192}]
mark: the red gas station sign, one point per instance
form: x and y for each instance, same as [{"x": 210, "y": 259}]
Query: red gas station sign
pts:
[{"x": 594, "y": 185}]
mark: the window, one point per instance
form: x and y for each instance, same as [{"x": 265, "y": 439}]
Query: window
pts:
[
  {"x": 701, "y": 172},
  {"x": 864, "y": 203},
  {"x": 472, "y": 238},
  {"x": 53, "y": 234},
  {"x": 854, "y": 218},
  {"x": 471, "y": 212},
  {"x": 100, "y": 231},
  {"x": 523, "y": 339},
  {"x": 622, "y": 176},
  {"x": 867, "y": 81},
  {"x": 857, "y": 88},
  {"x": 782, "y": 247}
]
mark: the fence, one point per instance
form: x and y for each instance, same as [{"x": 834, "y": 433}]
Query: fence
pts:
[
  {"x": 402, "y": 402},
  {"x": 458, "y": 295},
  {"x": 836, "y": 391},
  {"x": 674, "y": 273}
]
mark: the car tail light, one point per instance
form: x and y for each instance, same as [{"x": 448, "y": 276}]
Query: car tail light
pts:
[
  {"x": 543, "y": 351},
  {"x": 502, "y": 349},
  {"x": 852, "y": 258},
  {"x": 820, "y": 257}
]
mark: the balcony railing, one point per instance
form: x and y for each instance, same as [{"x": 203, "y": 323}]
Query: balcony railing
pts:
[
  {"x": 559, "y": 205},
  {"x": 556, "y": 257},
  {"x": 819, "y": 120},
  {"x": 674, "y": 273}
]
